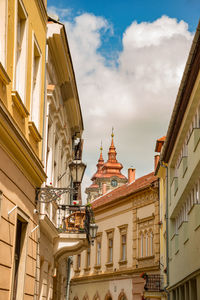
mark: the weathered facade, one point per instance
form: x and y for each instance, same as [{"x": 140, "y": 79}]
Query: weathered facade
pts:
[{"x": 181, "y": 153}]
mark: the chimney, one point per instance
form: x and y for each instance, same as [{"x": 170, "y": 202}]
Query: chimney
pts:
[
  {"x": 131, "y": 175},
  {"x": 103, "y": 188},
  {"x": 156, "y": 160}
]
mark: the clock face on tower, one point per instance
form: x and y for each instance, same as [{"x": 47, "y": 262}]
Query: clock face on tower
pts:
[{"x": 114, "y": 182}]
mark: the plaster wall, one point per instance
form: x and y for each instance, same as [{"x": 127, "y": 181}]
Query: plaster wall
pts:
[
  {"x": 97, "y": 288},
  {"x": 183, "y": 241},
  {"x": 17, "y": 191}
]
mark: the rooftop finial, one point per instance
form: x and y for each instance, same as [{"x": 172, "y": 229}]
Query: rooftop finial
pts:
[
  {"x": 112, "y": 135},
  {"x": 101, "y": 148}
]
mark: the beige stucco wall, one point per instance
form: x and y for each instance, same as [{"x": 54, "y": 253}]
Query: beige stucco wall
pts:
[
  {"x": 137, "y": 212},
  {"x": 17, "y": 191}
]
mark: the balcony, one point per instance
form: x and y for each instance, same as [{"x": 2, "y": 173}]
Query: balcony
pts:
[{"x": 71, "y": 234}]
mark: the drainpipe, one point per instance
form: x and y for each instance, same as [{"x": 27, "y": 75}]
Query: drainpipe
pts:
[
  {"x": 69, "y": 261},
  {"x": 167, "y": 231}
]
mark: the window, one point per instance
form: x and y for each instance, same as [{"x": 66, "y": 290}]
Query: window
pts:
[
  {"x": 141, "y": 245},
  {"x": 35, "y": 108},
  {"x": 123, "y": 243},
  {"x": 3, "y": 28},
  {"x": 123, "y": 239},
  {"x": 19, "y": 259},
  {"x": 110, "y": 237},
  {"x": 21, "y": 52},
  {"x": 147, "y": 242},
  {"x": 98, "y": 253},
  {"x": 151, "y": 243},
  {"x": 88, "y": 258},
  {"x": 110, "y": 250}
]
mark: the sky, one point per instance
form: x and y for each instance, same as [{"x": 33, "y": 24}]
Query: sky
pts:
[{"x": 128, "y": 58}]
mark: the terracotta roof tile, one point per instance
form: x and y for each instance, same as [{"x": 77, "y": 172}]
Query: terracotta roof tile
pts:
[{"x": 125, "y": 190}]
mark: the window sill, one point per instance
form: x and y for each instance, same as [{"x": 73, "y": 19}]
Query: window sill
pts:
[
  {"x": 109, "y": 264},
  {"x": 97, "y": 267},
  {"x": 122, "y": 262},
  {"x": 19, "y": 104},
  {"x": 3, "y": 75},
  {"x": 145, "y": 257},
  {"x": 34, "y": 132},
  {"x": 77, "y": 271}
]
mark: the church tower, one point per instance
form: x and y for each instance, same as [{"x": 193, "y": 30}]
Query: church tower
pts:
[{"x": 108, "y": 175}]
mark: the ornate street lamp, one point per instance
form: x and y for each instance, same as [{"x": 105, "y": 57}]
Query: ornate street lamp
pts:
[
  {"x": 77, "y": 168},
  {"x": 93, "y": 231}
]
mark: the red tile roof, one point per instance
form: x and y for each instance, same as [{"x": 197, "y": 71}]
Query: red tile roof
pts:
[{"x": 124, "y": 190}]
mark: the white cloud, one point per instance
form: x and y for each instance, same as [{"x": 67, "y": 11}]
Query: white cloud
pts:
[
  {"x": 137, "y": 96},
  {"x": 55, "y": 12}
]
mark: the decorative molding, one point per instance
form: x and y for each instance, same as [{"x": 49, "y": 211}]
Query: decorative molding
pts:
[
  {"x": 34, "y": 132},
  {"x": 3, "y": 75},
  {"x": 17, "y": 101},
  {"x": 122, "y": 262}
]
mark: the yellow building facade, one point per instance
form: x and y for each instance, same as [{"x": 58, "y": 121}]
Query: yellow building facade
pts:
[
  {"x": 40, "y": 134},
  {"x": 22, "y": 75}
]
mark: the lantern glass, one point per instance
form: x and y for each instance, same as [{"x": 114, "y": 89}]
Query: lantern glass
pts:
[
  {"x": 77, "y": 168},
  {"x": 93, "y": 230}
]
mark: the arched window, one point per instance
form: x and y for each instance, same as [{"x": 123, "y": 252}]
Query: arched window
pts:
[
  {"x": 151, "y": 243},
  {"x": 141, "y": 245},
  {"x": 146, "y": 244}
]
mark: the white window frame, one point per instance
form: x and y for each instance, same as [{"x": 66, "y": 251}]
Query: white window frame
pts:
[
  {"x": 20, "y": 64},
  {"x": 36, "y": 88}
]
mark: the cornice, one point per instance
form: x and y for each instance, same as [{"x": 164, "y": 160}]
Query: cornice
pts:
[
  {"x": 120, "y": 274},
  {"x": 129, "y": 197}
]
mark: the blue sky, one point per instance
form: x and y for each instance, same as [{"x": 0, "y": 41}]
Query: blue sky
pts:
[
  {"x": 128, "y": 58},
  {"x": 122, "y": 13}
]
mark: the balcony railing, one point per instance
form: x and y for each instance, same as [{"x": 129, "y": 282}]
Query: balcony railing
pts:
[
  {"x": 75, "y": 218},
  {"x": 154, "y": 283}
]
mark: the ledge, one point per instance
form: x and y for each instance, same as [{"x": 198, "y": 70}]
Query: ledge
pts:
[
  {"x": 3, "y": 75},
  {"x": 145, "y": 257},
  {"x": 97, "y": 267},
  {"x": 109, "y": 264},
  {"x": 34, "y": 132},
  {"x": 19, "y": 104},
  {"x": 122, "y": 262}
]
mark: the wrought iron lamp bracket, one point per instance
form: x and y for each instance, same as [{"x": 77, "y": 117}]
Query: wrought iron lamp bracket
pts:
[{"x": 50, "y": 194}]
